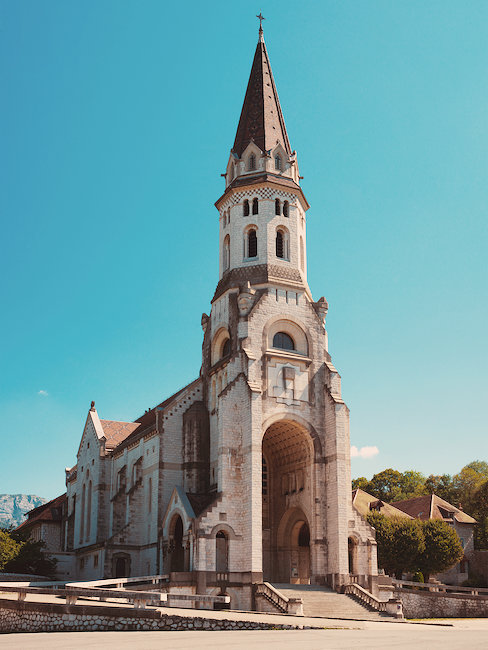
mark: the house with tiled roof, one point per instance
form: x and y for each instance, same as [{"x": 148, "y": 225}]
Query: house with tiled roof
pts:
[{"x": 433, "y": 507}]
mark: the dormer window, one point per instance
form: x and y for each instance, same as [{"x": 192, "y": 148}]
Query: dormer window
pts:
[
  {"x": 255, "y": 206},
  {"x": 251, "y": 163},
  {"x": 246, "y": 208},
  {"x": 278, "y": 163}
]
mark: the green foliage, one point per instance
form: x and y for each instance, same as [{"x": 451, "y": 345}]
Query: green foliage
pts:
[
  {"x": 418, "y": 576},
  {"x": 9, "y": 548},
  {"x": 442, "y": 548},
  {"x": 360, "y": 483},
  {"x": 442, "y": 486},
  {"x": 20, "y": 556},
  {"x": 31, "y": 558},
  {"x": 391, "y": 485},
  {"x": 400, "y": 543},
  {"x": 415, "y": 546},
  {"x": 468, "y": 489}
]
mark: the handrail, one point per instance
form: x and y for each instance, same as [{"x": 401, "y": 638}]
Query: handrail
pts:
[
  {"x": 431, "y": 586},
  {"x": 364, "y": 595},
  {"x": 118, "y": 582},
  {"x": 268, "y": 591}
]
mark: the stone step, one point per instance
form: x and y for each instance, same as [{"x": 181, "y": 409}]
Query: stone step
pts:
[{"x": 322, "y": 601}]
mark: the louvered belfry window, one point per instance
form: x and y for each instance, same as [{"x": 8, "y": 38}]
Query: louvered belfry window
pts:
[
  {"x": 252, "y": 242},
  {"x": 277, "y": 206},
  {"x": 255, "y": 206},
  {"x": 279, "y": 244},
  {"x": 246, "y": 208}
]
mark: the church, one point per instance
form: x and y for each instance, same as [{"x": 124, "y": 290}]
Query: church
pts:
[{"x": 243, "y": 476}]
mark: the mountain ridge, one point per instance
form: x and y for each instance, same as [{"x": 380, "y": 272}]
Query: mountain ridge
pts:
[{"x": 14, "y": 507}]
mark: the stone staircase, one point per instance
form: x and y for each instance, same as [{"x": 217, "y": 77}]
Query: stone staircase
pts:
[{"x": 322, "y": 601}]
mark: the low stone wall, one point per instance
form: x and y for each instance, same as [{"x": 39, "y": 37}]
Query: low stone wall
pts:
[
  {"x": 26, "y": 616},
  {"x": 434, "y": 604}
]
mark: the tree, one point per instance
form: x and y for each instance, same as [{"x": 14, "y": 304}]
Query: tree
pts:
[
  {"x": 360, "y": 483},
  {"x": 31, "y": 558},
  {"x": 400, "y": 543},
  {"x": 386, "y": 485},
  {"x": 442, "y": 548},
  {"x": 441, "y": 485},
  {"x": 9, "y": 548}
]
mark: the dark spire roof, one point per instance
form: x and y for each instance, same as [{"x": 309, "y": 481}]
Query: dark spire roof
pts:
[{"x": 261, "y": 117}]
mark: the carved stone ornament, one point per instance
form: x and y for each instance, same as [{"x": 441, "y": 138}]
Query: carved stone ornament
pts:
[
  {"x": 245, "y": 299},
  {"x": 321, "y": 307},
  {"x": 205, "y": 320}
]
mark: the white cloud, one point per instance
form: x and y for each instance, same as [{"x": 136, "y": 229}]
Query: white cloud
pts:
[
  {"x": 42, "y": 393},
  {"x": 364, "y": 452}
]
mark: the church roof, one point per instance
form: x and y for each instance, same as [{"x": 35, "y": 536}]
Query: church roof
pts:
[
  {"x": 431, "y": 506},
  {"x": 261, "y": 117},
  {"x": 116, "y": 432}
]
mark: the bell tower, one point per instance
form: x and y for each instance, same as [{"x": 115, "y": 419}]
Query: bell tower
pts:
[
  {"x": 263, "y": 209},
  {"x": 279, "y": 452}
]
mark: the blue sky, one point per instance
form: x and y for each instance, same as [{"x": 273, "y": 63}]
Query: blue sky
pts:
[{"x": 117, "y": 119}]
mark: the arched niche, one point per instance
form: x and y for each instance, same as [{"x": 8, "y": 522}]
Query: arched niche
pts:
[{"x": 220, "y": 347}]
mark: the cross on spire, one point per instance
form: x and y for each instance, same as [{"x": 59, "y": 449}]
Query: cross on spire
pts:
[{"x": 261, "y": 18}]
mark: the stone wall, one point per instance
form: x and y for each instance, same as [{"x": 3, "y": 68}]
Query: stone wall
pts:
[
  {"x": 428, "y": 604},
  {"x": 16, "y": 616}
]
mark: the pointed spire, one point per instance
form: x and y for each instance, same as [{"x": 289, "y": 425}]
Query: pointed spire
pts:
[{"x": 261, "y": 117}]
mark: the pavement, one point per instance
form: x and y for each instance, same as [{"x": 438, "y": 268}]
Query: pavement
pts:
[{"x": 470, "y": 633}]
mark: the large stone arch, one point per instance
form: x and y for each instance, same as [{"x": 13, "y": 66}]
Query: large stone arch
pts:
[
  {"x": 302, "y": 422},
  {"x": 288, "y": 498}
]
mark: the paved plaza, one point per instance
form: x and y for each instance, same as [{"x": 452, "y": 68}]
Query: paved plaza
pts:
[{"x": 456, "y": 635}]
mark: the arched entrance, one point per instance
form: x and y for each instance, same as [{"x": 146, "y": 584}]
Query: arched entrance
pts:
[
  {"x": 176, "y": 550},
  {"x": 121, "y": 565},
  {"x": 287, "y": 502}
]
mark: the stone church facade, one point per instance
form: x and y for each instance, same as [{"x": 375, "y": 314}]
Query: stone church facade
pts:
[{"x": 243, "y": 476}]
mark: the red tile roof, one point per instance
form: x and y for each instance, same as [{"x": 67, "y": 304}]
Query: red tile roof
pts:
[
  {"x": 116, "y": 432},
  {"x": 50, "y": 511},
  {"x": 431, "y": 506}
]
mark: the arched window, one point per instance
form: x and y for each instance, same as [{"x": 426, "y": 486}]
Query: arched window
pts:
[
  {"x": 251, "y": 163},
  {"x": 277, "y": 163},
  {"x": 286, "y": 212},
  {"x": 283, "y": 341},
  {"x": 252, "y": 244},
  {"x": 226, "y": 253},
  {"x": 277, "y": 206},
  {"x": 279, "y": 244},
  {"x": 221, "y": 552},
  {"x": 255, "y": 206},
  {"x": 88, "y": 511},
  {"x": 246, "y": 208},
  {"x": 225, "y": 348},
  {"x": 302, "y": 255}
]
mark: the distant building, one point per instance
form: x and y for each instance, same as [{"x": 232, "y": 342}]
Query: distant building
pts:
[
  {"x": 433, "y": 507},
  {"x": 366, "y": 503}
]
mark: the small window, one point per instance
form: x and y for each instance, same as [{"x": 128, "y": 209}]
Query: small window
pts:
[
  {"x": 252, "y": 244},
  {"x": 277, "y": 206},
  {"x": 251, "y": 165},
  {"x": 95, "y": 560},
  {"x": 283, "y": 341},
  {"x": 226, "y": 253},
  {"x": 279, "y": 244},
  {"x": 246, "y": 208},
  {"x": 255, "y": 206},
  {"x": 277, "y": 163},
  {"x": 226, "y": 348},
  {"x": 286, "y": 212}
]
